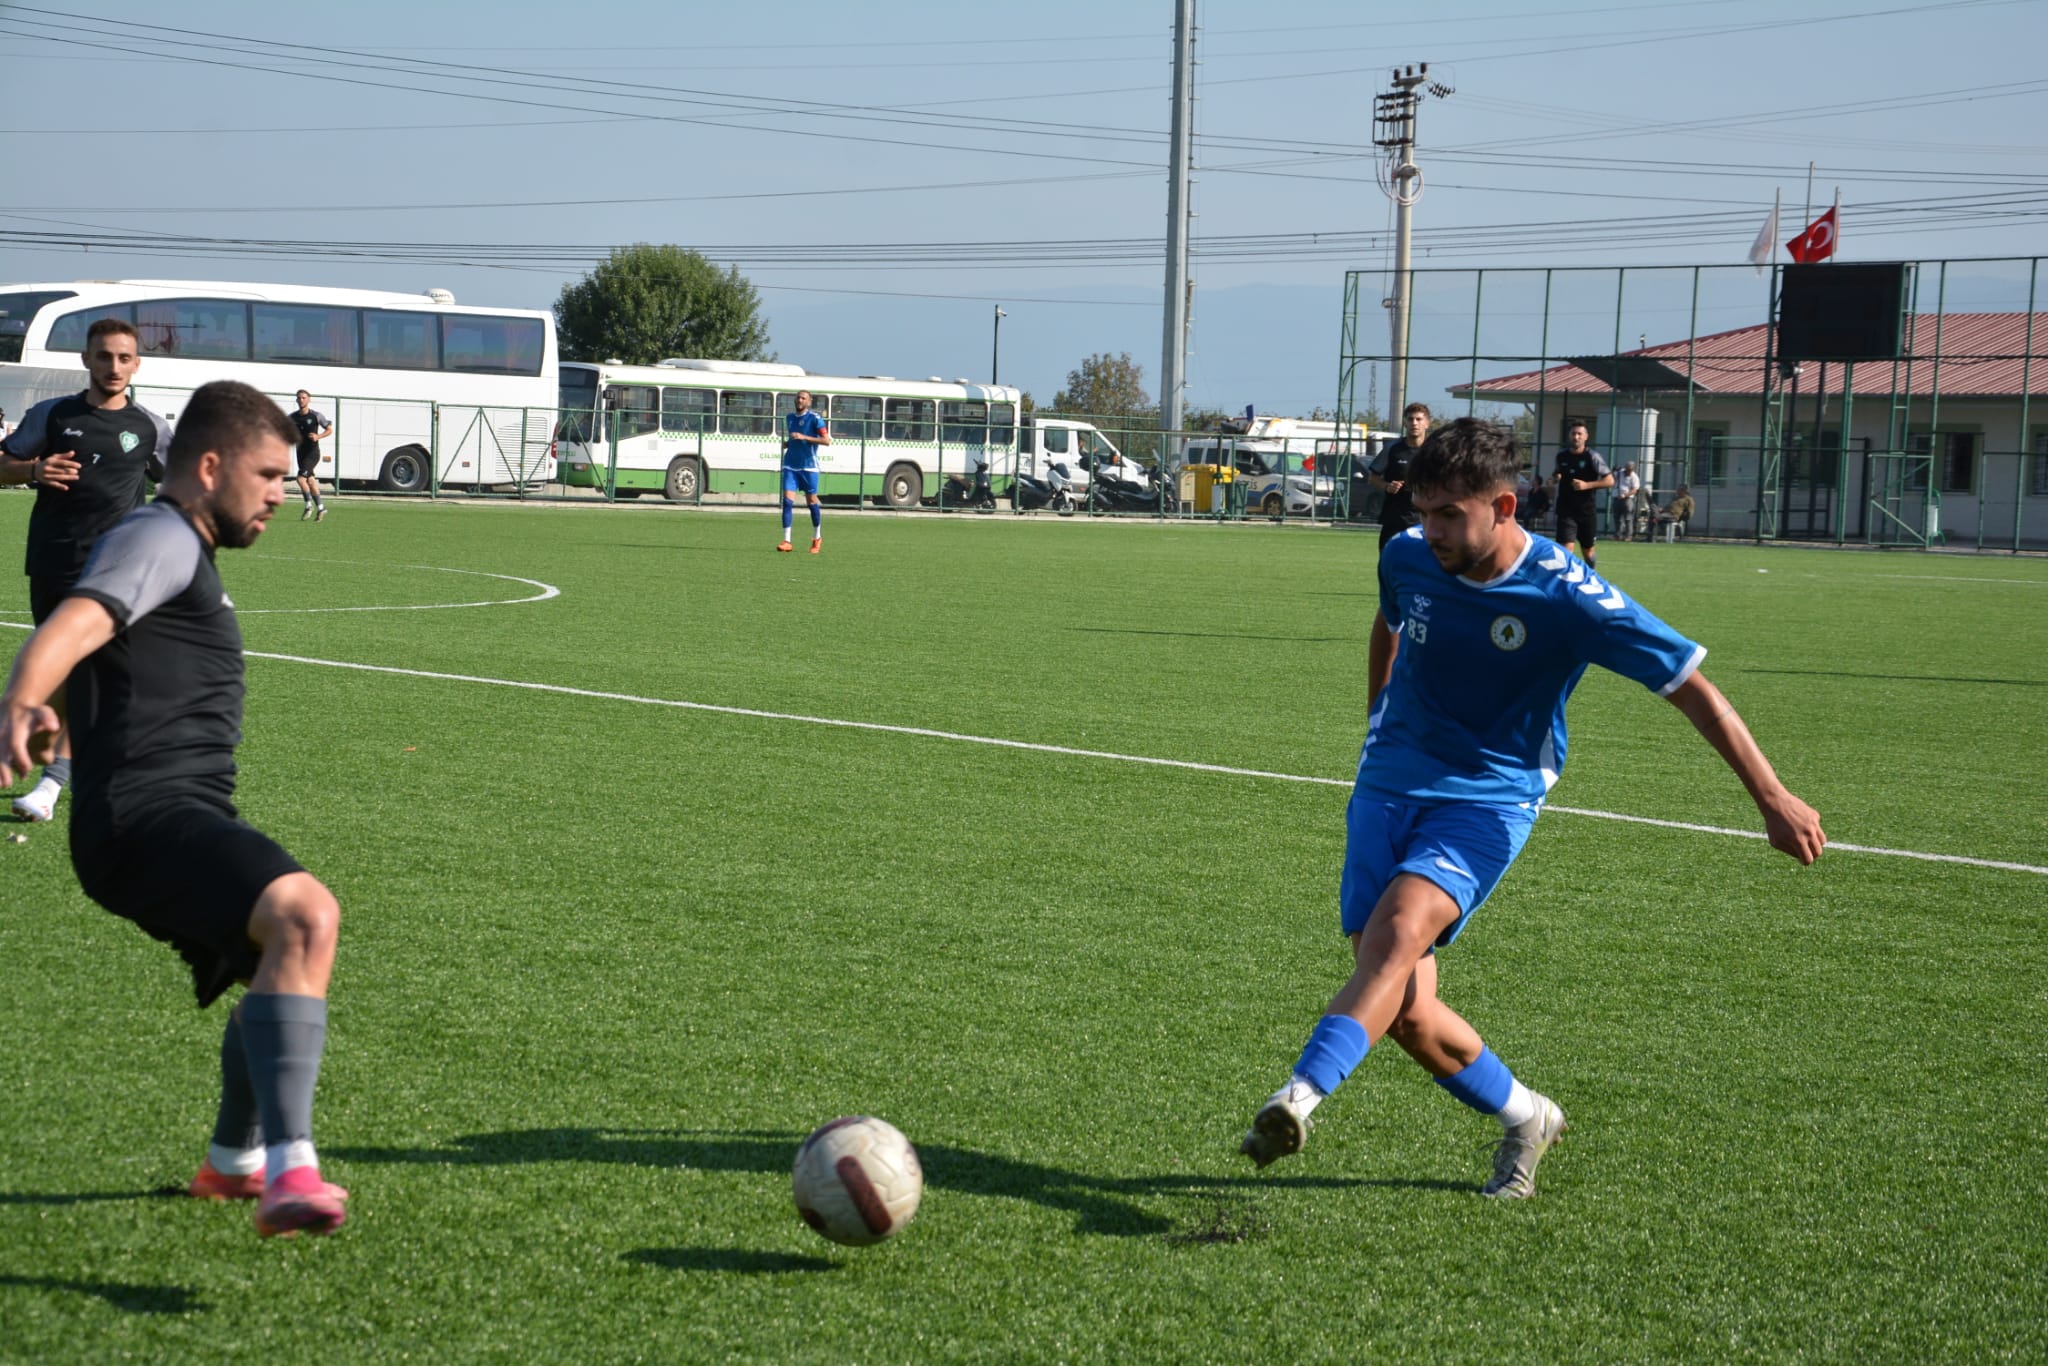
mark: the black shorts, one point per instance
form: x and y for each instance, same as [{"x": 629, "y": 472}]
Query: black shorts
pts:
[
  {"x": 187, "y": 872},
  {"x": 309, "y": 462},
  {"x": 1581, "y": 524},
  {"x": 45, "y": 591}
]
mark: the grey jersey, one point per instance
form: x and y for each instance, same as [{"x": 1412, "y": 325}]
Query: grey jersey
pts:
[{"x": 157, "y": 712}]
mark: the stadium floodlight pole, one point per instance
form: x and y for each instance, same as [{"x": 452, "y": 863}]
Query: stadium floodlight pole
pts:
[
  {"x": 995, "y": 350},
  {"x": 1174, "y": 348},
  {"x": 1401, "y": 179}
]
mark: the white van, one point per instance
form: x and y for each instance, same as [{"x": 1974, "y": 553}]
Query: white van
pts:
[{"x": 1080, "y": 446}]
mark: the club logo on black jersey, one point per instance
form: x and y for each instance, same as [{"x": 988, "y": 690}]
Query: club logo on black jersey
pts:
[
  {"x": 129, "y": 441},
  {"x": 1509, "y": 633}
]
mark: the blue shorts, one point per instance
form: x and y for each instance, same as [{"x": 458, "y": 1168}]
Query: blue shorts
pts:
[
  {"x": 1463, "y": 847},
  {"x": 795, "y": 480}
]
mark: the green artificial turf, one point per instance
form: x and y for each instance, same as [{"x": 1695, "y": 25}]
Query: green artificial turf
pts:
[{"x": 605, "y": 962}]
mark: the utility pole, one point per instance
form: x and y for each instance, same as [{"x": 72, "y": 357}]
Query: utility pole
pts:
[
  {"x": 1393, "y": 127},
  {"x": 1174, "y": 350},
  {"x": 995, "y": 349}
]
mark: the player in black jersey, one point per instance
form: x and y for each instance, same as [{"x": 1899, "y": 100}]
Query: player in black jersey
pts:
[
  {"x": 150, "y": 644},
  {"x": 313, "y": 428},
  {"x": 1580, "y": 475},
  {"x": 90, "y": 458}
]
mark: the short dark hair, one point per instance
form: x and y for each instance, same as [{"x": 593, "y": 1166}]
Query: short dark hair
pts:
[
  {"x": 119, "y": 326},
  {"x": 1578, "y": 423},
  {"x": 1470, "y": 456},
  {"x": 1414, "y": 408},
  {"x": 226, "y": 417}
]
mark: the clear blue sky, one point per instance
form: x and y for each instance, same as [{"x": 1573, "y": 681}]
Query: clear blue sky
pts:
[{"x": 888, "y": 172}]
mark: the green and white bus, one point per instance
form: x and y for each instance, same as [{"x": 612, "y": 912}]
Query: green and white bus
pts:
[{"x": 685, "y": 428}]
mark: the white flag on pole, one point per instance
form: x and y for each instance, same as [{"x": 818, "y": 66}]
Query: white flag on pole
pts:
[{"x": 1766, "y": 245}]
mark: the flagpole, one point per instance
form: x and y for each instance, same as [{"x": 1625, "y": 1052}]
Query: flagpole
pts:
[
  {"x": 1837, "y": 212},
  {"x": 1777, "y": 202},
  {"x": 1809, "y": 193}
]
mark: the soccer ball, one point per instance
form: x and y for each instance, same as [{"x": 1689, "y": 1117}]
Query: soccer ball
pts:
[{"x": 857, "y": 1180}]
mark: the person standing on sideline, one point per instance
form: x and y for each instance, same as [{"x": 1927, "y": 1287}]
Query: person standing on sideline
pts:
[
  {"x": 313, "y": 428},
  {"x": 90, "y": 458},
  {"x": 1461, "y": 750},
  {"x": 4, "y": 427},
  {"x": 1626, "y": 486},
  {"x": 153, "y": 652},
  {"x": 1580, "y": 474},
  {"x": 1389, "y": 474},
  {"x": 806, "y": 431}
]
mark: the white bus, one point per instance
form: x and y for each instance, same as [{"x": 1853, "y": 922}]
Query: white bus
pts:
[
  {"x": 684, "y": 428},
  {"x": 406, "y": 378}
]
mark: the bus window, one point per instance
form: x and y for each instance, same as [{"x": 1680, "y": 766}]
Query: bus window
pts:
[
  {"x": 400, "y": 341},
  {"x": 688, "y": 410},
  {"x": 15, "y": 312},
  {"x": 856, "y": 419},
  {"x": 636, "y": 410},
  {"x": 68, "y": 332},
  {"x": 478, "y": 345},
  {"x": 578, "y": 401},
  {"x": 305, "y": 333},
  {"x": 195, "y": 329},
  {"x": 1002, "y": 424},
  {"x": 743, "y": 412},
  {"x": 963, "y": 422},
  {"x": 908, "y": 419}
]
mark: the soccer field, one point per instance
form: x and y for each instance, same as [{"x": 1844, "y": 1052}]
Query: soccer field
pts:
[{"x": 606, "y": 958}]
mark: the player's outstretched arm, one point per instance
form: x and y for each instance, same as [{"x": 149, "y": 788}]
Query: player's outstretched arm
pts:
[
  {"x": 1792, "y": 825},
  {"x": 28, "y": 724}
]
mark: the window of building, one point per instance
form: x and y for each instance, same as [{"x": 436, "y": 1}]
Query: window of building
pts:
[
  {"x": 908, "y": 419},
  {"x": 1954, "y": 464},
  {"x": 1710, "y": 445},
  {"x": 2038, "y": 461},
  {"x": 305, "y": 334}
]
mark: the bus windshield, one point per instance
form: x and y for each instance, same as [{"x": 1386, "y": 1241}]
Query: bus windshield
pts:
[{"x": 15, "y": 312}]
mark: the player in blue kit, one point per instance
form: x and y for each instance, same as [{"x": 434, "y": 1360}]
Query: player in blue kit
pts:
[
  {"x": 806, "y": 431},
  {"x": 1466, "y": 735}
]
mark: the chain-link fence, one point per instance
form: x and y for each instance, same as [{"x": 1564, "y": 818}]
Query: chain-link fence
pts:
[{"x": 1680, "y": 372}]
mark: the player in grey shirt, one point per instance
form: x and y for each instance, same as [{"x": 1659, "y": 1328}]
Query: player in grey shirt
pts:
[{"x": 153, "y": 653}]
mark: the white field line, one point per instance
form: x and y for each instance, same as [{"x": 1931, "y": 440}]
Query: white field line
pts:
[
  {"x": 547, "y": 590},
  {"x": 1964, "y": 578},
  {"x": 958, "y": 737}
]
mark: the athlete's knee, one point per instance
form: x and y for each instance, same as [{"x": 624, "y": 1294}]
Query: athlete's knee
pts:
[
  {"x": 297, "y": 913},
  {"x": 788, "y": 503}
]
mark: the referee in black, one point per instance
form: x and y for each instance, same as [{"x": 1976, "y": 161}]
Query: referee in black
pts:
[
  {"x": 1389, "y": 474},
  {"x": 153, "y": 654},
  {"x": 1579, "y": 476},
  {"x": 90, "y": 457}
]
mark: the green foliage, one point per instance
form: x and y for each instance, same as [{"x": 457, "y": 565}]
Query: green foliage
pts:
[
  {"x": 645, "y": 303},
  {"x": 604, "y": 963},
  {"x": 1106, "y": 385}
]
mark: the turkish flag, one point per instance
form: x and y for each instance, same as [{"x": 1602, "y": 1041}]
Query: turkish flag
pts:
[{"x": 1817, "y": 243}]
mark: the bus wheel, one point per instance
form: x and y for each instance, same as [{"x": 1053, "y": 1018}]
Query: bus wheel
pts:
[
  {"x": 903, "y": 486},
  {"x": 1271, "y": 507},
  {"x": 685, "y": 482},
  {"x": 405, "y": 470}
]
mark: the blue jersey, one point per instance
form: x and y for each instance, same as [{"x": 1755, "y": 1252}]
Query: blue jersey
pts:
[
  {"x": 802, "y": 455},
  {"x": 1475, "y": 708}
]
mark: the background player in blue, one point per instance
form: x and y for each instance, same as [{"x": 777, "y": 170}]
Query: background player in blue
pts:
[
  {"x": 90, "y": 457},
  {"x": 806, "y": 431},
  {"x": 1497, "y": 625}
]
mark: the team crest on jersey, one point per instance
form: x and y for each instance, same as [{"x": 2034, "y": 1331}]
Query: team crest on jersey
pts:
[
  {"x": 1509, "y": 633},
  {"x": 129, "y": 441}
]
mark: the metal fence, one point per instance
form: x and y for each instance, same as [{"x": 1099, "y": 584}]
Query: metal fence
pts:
[{"x": 1677, "y": 371}]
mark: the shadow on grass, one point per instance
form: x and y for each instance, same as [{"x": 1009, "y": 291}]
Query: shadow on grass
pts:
[
  {"x": 129, "y": 1299},
  {"x": 1900, "y": 678},
  {"x": 1217, "y": 635},
  {"x": 739, "y": 1261},
  {"x": 83, "y": 1197},
  {"x": 1101, "y": 1205}
]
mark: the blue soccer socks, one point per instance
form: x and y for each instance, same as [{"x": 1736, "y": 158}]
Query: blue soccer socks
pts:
[
  {"x": 1336, "y": 1046},
  {"x": 1488, "y": 1087}
]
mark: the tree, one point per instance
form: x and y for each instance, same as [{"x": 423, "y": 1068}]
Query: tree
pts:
[
  {"x": 645, "y": 303},
  {"x": 1105, "y": 384}
]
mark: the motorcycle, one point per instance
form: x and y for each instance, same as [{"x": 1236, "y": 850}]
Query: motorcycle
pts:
[
  {"x": 1119, "y": 495},
  {"x": 1055, "y": 491},
  {"x": 960, "y": 494}
]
